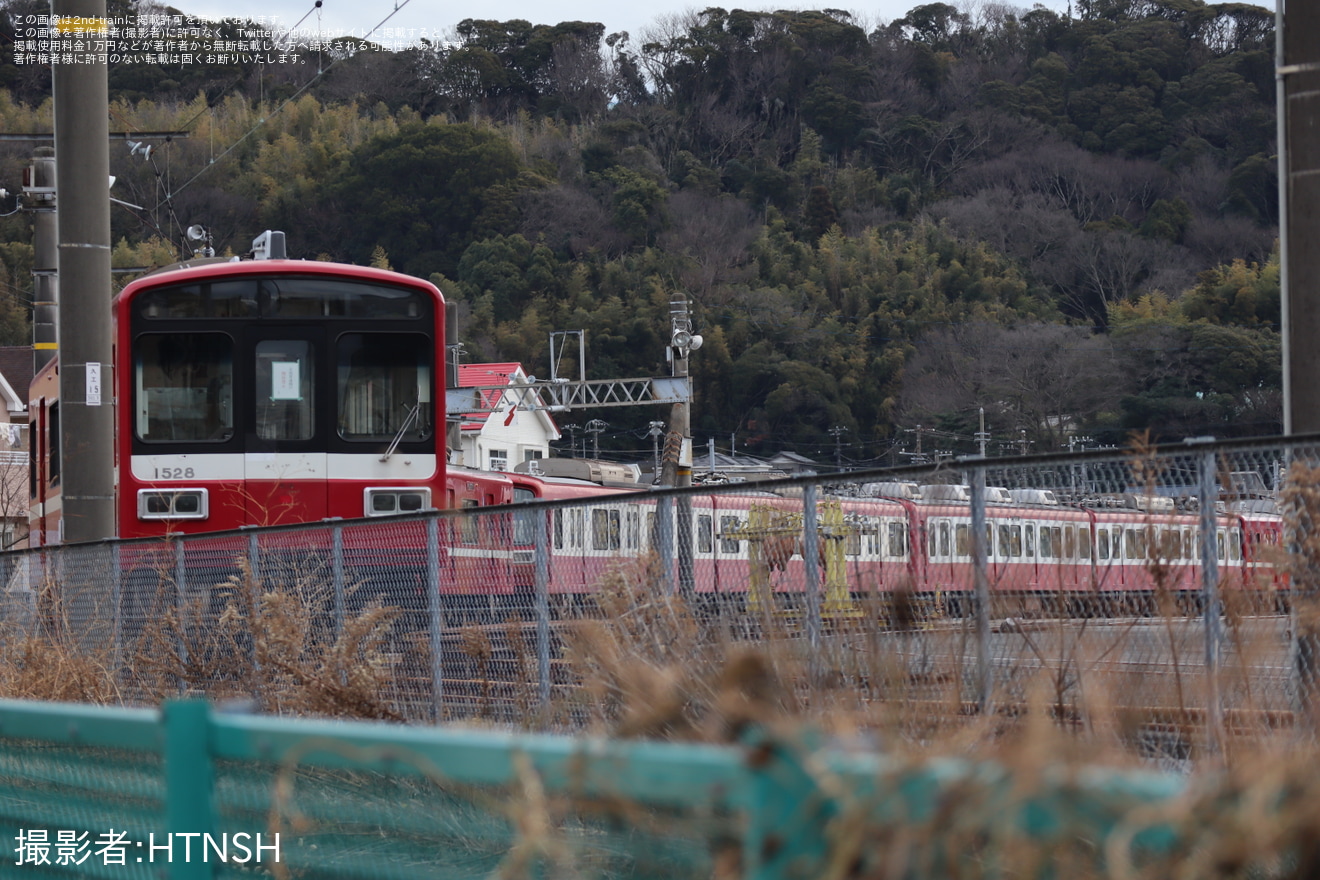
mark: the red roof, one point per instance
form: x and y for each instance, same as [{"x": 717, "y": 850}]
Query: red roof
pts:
[{"x": 477, "y": 375}]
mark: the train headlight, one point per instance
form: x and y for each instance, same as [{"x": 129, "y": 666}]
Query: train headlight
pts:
[
  {"x": 391, "y": 501},
  {"x": 173, "y": 504}
]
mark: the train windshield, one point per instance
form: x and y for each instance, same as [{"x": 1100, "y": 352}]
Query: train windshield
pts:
[
  {"x": 384, "y": 386},
  {"x": 185, "y": 387}
]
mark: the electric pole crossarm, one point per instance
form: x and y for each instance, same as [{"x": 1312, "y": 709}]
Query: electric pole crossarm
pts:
[{"x": 561, "y": 396}]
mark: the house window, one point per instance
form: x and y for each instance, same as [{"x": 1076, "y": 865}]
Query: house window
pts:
[
  {"x": 499, "y": 459},
  {"x": 533, "y": 455}
]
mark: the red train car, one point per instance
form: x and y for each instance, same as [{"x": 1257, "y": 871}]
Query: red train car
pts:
[{"x": 262, "y": 392}]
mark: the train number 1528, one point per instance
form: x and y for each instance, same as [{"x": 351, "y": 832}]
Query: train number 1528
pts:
[{"x": 174, "y": 473}]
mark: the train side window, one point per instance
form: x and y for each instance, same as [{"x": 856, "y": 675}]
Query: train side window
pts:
[
  {"x": 963, "y": 539},
  {"x": 705, "y": 533},
  {"x": 1004, "y": 533},
  {"x": 1235, "y": 545},
  {"x": 574, "y": 528},
  {"x": 285, "y": 398},
  {"x": 1102, "y": 543},
  {"x": 1135, "y": 543},
  {"x": 1069, "y": 542},
  {"x": 897, "y": 540},
  {"x": 53, "y": 444},
  {"x": 1015, "y": 541},
  {"x": 469, "y": 523},
  {"x": 1220, "y": 544},
  {"x": 1174, "y": 539},
  {"x": 557, "y": 527},
  {"x": 1031, "y": 540},
  {"x": 630, "y": 529},
  {"x": 944, "y": 539},
  {"x": 605, "y": 529},
  {"x": 34, "y": 445},
  {"x": 729, "y": 545},
  {"x": 852, "y": 543},
  {"x": 1046, "y": 546}
]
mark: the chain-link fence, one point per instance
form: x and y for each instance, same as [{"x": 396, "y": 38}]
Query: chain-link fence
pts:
[{"x": 1158, "y": 597}]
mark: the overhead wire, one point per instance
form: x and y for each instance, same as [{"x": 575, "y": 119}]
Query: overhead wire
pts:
[{"x": 262, "y": 121}]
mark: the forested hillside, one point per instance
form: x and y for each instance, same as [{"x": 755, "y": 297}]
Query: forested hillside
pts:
[{"x": 1065, "y": 221}]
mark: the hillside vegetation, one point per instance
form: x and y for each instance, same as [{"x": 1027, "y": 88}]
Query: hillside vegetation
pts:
[{"x": 1065, "y": 221}]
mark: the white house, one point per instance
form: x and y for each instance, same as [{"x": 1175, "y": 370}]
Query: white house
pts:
[{"x": 501, "y": 439}]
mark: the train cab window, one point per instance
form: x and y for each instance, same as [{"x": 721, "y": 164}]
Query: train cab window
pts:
[
  {"x": 384, "y": 388},
  {"x": 605, "y": 531},
  {"x": 962, "y": 543},
  {"x": 729, "y": 524},
  {"x": 898, "y": 540},
  {"x": 1102, "y": 543},
  {"x": 944, "y": 538},
  {"x": 705, "y": 534},
  {"x": 184, "y": 387},
  {"x": 285, "y": 393}
]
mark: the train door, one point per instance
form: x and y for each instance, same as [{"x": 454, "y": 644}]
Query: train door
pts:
[{"x": 285, "y": 461}]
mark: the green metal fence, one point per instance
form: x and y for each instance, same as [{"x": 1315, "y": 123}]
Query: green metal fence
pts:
[{"x": 191, "y": 792}]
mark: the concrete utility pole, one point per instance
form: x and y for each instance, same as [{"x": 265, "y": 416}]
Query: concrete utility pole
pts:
[
  {"x": 682, "y": 342},
  {"x": 1299, "y": 210},
  {"x": 82, "y": 156}
]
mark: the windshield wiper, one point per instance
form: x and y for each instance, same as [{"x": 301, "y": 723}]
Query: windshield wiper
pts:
[{"x": 403, "y": 429}]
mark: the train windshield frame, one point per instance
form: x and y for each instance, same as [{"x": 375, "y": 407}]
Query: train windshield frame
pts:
[{"x": 283, "y": 362}]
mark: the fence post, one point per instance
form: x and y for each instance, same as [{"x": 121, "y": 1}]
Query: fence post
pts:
[
  {"x": 810, "y": 564},
  {"x": 117, "y": 603},
  {"x": 981, "y": 584},
  {"x": 181, "y": 606},
  {"x": 254, "y": 584},
  {"x": 436, "y": 618},
  {"x": 541, "y": 597},
  {"x": 337, "y": 573},
  {"x": 1206, "y": 496},
  {"x": 189, "y": 781}
]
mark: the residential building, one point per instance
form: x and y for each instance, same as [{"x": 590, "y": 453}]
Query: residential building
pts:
[{"x": 508, "y": 436}]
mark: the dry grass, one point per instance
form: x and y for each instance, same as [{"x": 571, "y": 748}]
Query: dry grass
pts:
[{"x": 894, "y": 678}]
